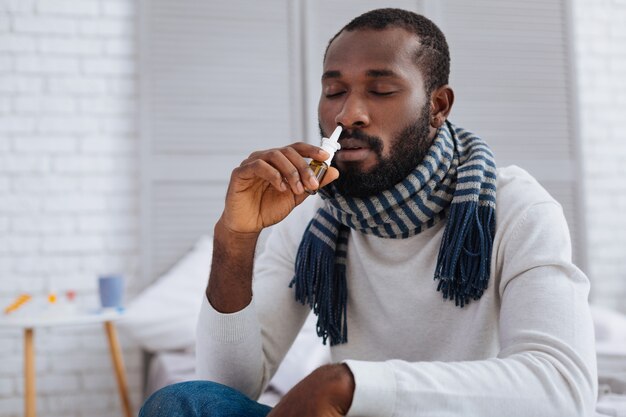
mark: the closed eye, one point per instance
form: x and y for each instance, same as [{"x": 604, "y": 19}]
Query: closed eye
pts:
[
  {"x": 382, "y": 93},
  {"x": 334, "y": 94}
]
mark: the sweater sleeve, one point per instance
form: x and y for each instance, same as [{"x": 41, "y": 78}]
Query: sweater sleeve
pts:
[
  {"x": 244, "y": 349},
  {"x": 546, "y": 363}
]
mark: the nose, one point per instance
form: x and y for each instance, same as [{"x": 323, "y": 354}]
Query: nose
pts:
[{"x": 353, "y": 113}]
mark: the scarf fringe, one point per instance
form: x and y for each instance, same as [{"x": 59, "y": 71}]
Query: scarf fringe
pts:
[
  {"x": 463, "y": 274},
  {"x": 328, "y": 298}
]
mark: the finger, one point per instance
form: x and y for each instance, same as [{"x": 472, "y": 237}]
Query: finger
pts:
[
  {"x": 310, "y": 151},
  {"x": 292, "y": 166},
  {"x": 331, "y": 175},
  {"x": 306, "y": 150},
  {"x": 260, "y": 169},
  {"x": 253, "y": 156},
  {"x": 288, "y": 167},
  {"x": 304, "y": 171}
]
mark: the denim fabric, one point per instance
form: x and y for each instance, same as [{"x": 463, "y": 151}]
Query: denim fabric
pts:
[{"x": 201, "y": 399}]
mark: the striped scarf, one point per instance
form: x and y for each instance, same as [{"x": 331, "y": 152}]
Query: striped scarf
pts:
[{"x": 456, "y": 179}]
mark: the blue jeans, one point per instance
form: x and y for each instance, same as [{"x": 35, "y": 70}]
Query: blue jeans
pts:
[{"x": 201, "y": 399}]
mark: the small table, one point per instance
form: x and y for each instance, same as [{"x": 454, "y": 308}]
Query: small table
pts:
[{"x": 28, "y": 324}]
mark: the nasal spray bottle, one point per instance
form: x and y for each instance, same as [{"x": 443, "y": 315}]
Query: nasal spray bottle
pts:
[{"x": 319, "y": 168}]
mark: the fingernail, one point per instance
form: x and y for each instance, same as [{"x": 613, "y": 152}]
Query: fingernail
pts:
[
  {"x": 314, "y": 182},
  {"x": 299, "y": 187}
]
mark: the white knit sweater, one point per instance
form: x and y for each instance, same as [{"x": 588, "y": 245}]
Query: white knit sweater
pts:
[{"x": 526, "y": 348}]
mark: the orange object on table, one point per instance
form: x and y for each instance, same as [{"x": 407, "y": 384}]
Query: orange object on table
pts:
[{"x": 19, "y": 302}]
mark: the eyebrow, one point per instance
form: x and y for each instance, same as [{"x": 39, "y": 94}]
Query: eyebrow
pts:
[
  {"x": 331, "y": 74},
  {"x": 374, "y": 73},
  {"x": 381, "y": 73}
]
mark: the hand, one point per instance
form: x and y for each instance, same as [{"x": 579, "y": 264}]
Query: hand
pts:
[
  {"x": 268, "y": 185},
  {"x": 326, "y": 392}
]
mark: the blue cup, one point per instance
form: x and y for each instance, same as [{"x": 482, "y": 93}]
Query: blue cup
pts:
[{"x": 111, "y": 290}]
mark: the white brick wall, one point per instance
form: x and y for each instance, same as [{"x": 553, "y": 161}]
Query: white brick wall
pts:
[
  {"x": 68, "y": 188},
  {"x": 600, "y": 38}
]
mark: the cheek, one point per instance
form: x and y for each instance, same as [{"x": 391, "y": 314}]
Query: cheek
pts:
[
  {"x": 326, "y": 119},
  {"x": 394, "y": 119},
  {"x": 398, "y": 114},
  {"x": 327, "y": 111},
  {"x": 411, "y": 110}
]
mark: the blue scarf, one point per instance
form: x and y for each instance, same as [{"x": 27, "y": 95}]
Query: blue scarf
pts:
[{"x": 456, "y": 179}]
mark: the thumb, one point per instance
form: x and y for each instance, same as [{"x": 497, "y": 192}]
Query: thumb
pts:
[{"x": 331, "y": 175}]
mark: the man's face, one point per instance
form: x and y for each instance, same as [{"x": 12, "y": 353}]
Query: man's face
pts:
[{"x": 373, "y": 88}]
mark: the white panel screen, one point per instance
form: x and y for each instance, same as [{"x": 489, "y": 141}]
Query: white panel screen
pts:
[{"x": 215, "y": 87}]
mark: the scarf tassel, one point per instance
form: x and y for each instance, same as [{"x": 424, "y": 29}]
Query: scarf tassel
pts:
[
  {"x": 328, "y": 298},
  {"x": 463, "y": 264}
]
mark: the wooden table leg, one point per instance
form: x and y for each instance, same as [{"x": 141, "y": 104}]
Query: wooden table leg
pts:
[
  {"x": 30, "y": 397},
  {"x": 118, "y": 364}
]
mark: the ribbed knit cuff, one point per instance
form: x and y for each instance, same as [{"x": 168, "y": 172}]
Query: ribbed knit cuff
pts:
[
  {"x": 374, "y": 391},
  {"x": 228, "y": 328}
]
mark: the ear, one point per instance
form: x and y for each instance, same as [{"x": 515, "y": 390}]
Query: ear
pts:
[{"x": 441, "y": 101}]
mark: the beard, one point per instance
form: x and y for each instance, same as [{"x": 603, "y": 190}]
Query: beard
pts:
[{"x": 408, "y": 149}]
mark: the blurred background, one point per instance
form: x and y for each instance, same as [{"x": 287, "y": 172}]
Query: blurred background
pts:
[{"x": 121, "y": 120}]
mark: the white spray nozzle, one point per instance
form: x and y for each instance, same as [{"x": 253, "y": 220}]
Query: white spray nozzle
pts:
[{"x": 331, "y": 144}]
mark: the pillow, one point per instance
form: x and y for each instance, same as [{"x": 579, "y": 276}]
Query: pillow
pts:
[{"x": 164, "y": 315}]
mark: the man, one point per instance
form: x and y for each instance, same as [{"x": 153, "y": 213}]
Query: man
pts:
[{"x": 444, "y": 286}]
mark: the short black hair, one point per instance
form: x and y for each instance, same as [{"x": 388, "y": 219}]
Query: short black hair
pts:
[{"x": 432, "y": 57}]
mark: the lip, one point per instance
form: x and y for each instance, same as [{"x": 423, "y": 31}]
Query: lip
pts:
[
  {"x": 352, "y": 150},
  {"x": 359, "y": 154},
  {"x": 352, "y": 143}
]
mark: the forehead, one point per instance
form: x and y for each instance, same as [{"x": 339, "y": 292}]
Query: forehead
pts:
[{"x": 361, "y": 50}]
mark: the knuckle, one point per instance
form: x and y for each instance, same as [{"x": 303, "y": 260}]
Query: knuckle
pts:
[
  {"x": 235, "y": 173},
  {"x": 287, "y": 150},
  {"x": 253, "y": 155},
  {"x": 301, "y": 146},
  {"x": 256, "y": 163},
  {"x": 273, "y": 154}
]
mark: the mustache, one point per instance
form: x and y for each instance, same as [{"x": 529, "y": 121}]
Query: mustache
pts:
[{"x": 372, "y": 142}]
